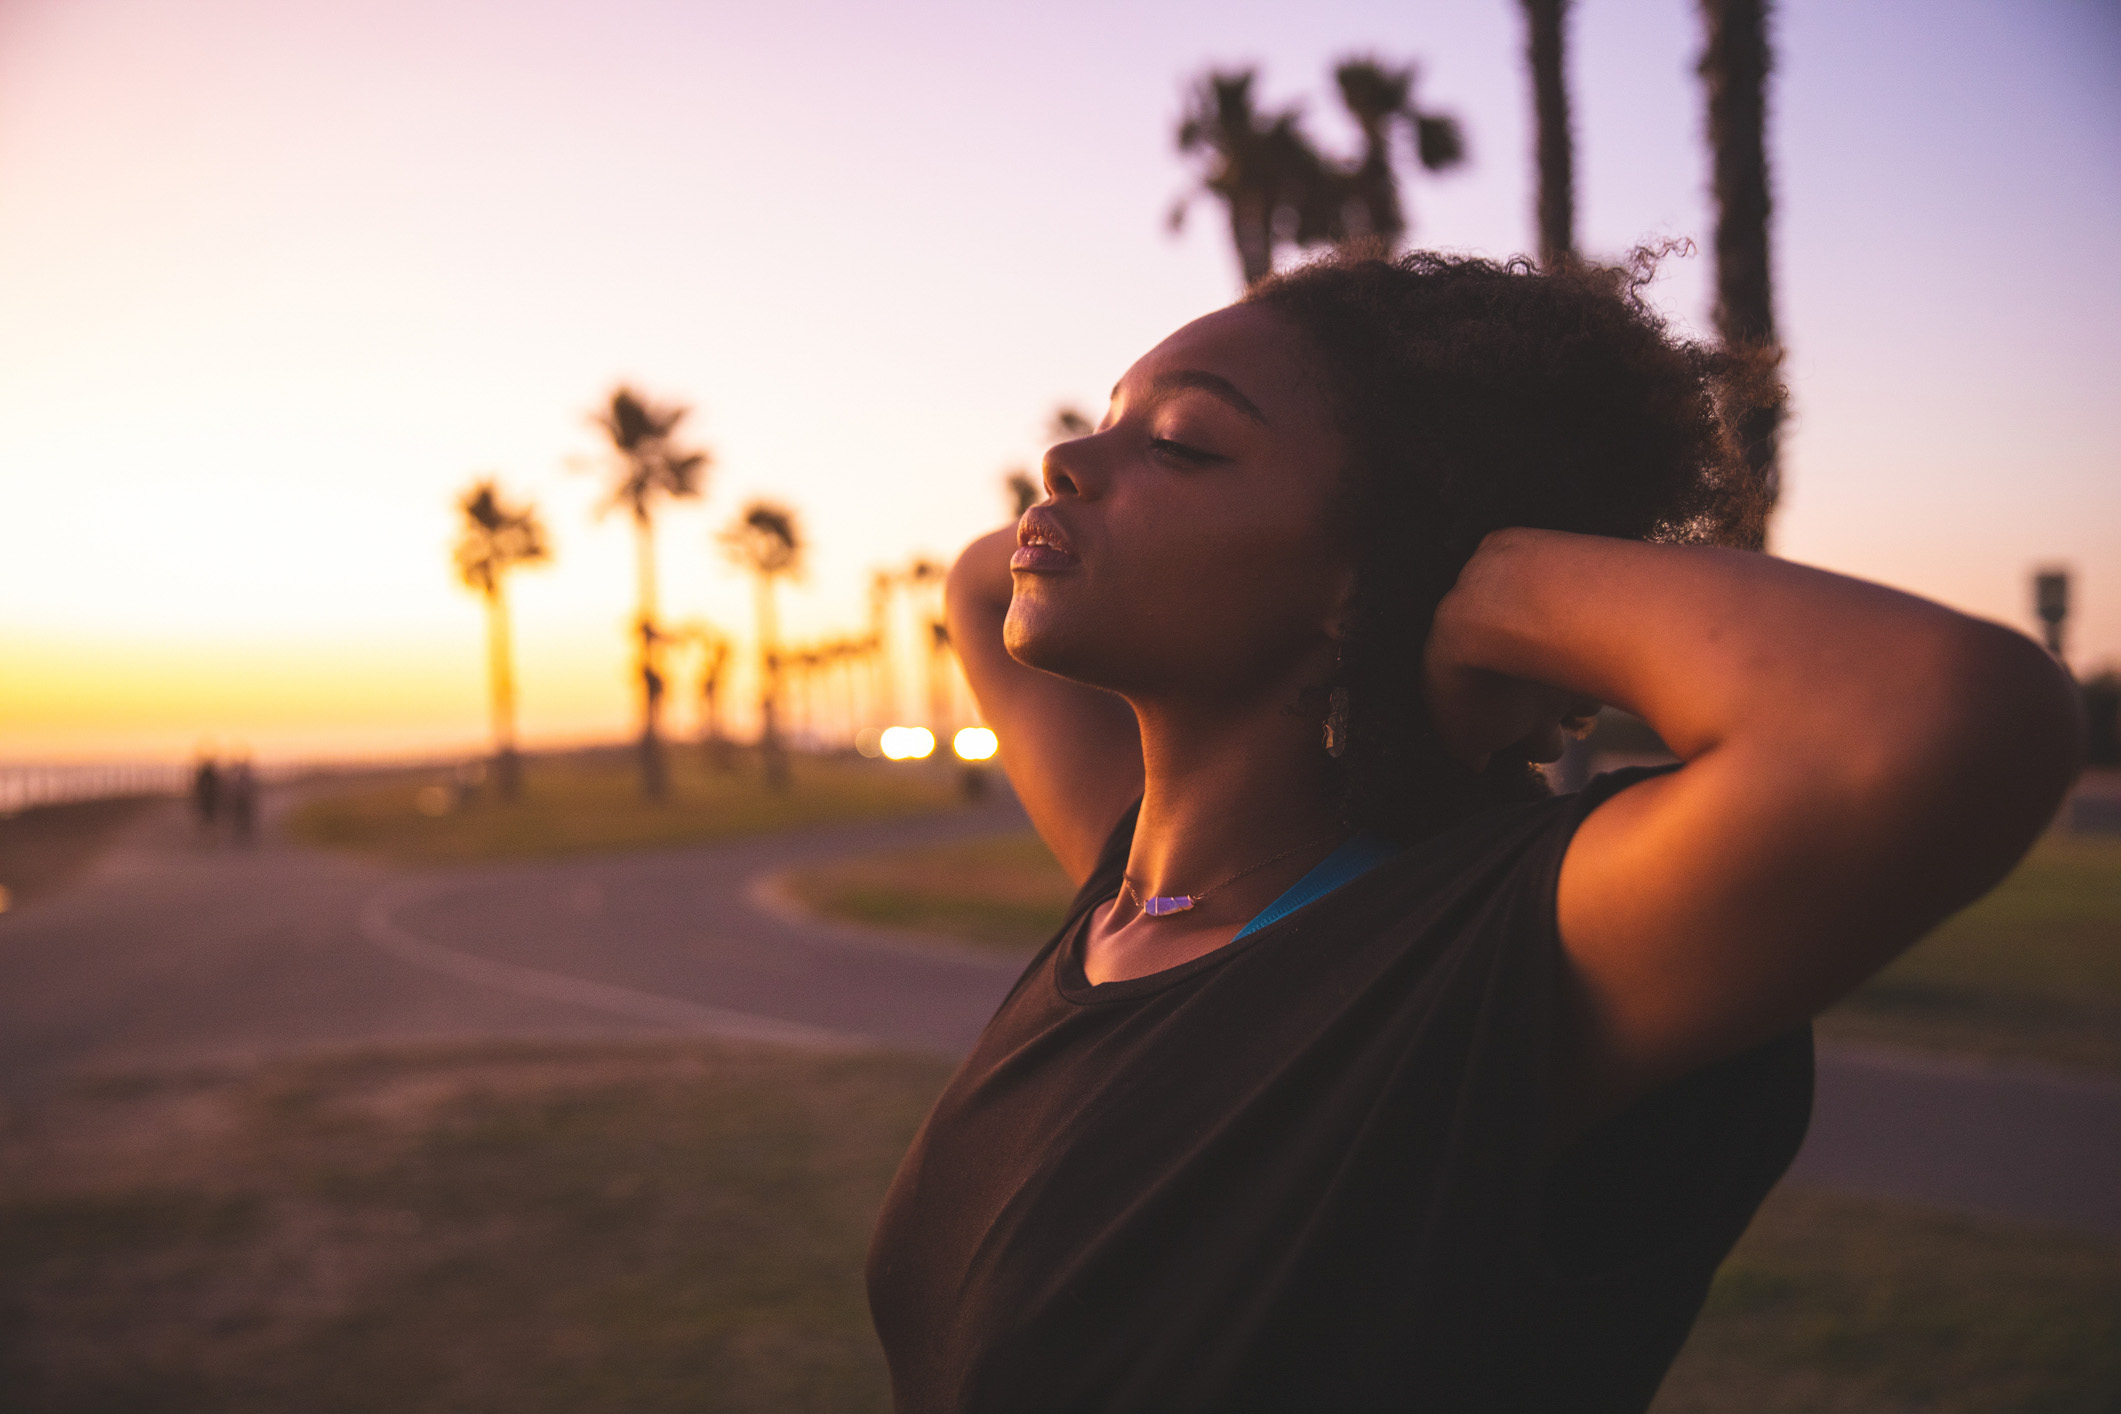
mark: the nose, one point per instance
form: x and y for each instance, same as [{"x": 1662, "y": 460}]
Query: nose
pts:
[{"x": 1071, "y": 470}]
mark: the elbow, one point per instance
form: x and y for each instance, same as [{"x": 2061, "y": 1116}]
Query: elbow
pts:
[
  {"x": 2029, "y": 704},
  {"x": 1999, "y": 729}
]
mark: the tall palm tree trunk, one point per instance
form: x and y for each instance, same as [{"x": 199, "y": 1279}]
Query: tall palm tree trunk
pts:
[
  {"x": 883, "y": 690},
  {"x": 644, "y": 567},
  {"x": 1544, "y": 51},
  {"x": 655, "y": 779},
  {"x": 500, "y": 672},
  {"x": 1251, "y": 231},
  {"x": 770, "y": 749},
  {"x": 1734, "y": 69}
]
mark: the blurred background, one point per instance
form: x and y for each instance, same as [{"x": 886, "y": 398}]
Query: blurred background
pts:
[
  {"x": 276, "y": 282},
  {"x": 496, "y": 856}
]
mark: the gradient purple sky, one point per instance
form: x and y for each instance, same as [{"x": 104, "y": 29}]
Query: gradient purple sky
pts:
[{"x": 276, "y": 279}]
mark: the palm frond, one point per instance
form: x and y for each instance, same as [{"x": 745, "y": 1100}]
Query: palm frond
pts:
[
  {"x": 1372, "y": 92},
  {"x": 648, "y": 463},
  {"x": 765, "y": 538},
  {"x": 494, "y": 536},
  {"x": 1439, "y": 141}
]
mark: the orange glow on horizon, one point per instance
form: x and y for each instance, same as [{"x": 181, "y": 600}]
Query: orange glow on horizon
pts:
[{"x": 277, "y": 282}]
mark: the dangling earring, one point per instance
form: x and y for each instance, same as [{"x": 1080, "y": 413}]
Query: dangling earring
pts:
[
  {"x": 1337, "y": 722},
  {"x": 1337, "y": 706}
]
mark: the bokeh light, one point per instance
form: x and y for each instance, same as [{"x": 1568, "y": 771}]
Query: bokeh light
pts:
[
  {"x": 907, "y": 743},
  {"x": 974, "y": 744}
]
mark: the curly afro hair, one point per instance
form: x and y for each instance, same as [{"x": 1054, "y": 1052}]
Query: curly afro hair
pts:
[{"x": 1474, "y": 396}]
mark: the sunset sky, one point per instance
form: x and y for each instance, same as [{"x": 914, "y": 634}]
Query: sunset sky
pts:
[{"x": 276, "y": 280}]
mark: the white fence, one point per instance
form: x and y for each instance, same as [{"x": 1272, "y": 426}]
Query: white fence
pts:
[{"x": 26, "y": 785}]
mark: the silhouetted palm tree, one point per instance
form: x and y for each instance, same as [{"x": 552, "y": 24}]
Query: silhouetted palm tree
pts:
[
  {"x": 1735, "y": 61},
  {"x": 1023, "y": 492},
  {"x": 714, "y": 667},
  {"x": 649, "y": 467},
  {"x": 766, "y": 540},
  {"x": 1069, "y": 422},
  {"x": 493, "y": 539},
  {"x": 1546, "y": 49},
  {"x": 1277, "y": 187},
  {"x": 883, "y": 687},
  {"x": 1381, "y": 101},
  {"x": 1259, "y": 165}
]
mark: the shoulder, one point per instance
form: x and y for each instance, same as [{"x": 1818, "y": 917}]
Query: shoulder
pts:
[{"x": 1516, "y": 848}]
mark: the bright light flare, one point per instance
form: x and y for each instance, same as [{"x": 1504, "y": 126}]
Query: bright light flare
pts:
[
  {"x": 908, "y": 743},
  {"x": 975, "y": 744}
]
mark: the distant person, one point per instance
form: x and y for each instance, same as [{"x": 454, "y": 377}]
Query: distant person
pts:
[
  {"x": 1365, "y": 1074},
  {"x": 242, "y": 791},
  {"x": 206, "y": 791}
]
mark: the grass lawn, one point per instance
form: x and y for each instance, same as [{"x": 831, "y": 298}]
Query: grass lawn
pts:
[
  {"x": 2033, "y": 971},
  {"x": 665, "y": 1227},
  {"x": 1004, "y": 892},
  {"x": 590, "y": 802},
  {"x": 1840, "y": 1305},
  {"x": 680, "y": 1226}
]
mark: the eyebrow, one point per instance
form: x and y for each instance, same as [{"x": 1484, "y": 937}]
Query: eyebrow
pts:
[{"x": 1213, "y": 384}]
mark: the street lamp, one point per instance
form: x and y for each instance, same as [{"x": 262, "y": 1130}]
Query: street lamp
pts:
[{"x": 2051, "y": 603}]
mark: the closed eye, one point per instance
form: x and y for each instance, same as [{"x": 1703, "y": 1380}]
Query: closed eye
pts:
[{"x": 1182, "y": 454}]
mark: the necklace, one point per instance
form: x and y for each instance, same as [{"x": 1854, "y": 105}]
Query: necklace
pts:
[{"x": 1164, "y": 905}]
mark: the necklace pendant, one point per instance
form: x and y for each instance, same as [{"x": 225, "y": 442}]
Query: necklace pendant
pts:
[{"x": 1165, "y": 904}]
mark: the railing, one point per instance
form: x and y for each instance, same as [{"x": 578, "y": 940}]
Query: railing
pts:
[{"x": 24, "y": 786}]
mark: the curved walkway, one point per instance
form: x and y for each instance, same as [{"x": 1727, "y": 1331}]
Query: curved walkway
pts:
[{"x": 172, "y": 953}]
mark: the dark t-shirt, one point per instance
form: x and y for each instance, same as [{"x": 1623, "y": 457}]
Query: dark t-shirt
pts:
[{"x": 1308, "y": 1170}]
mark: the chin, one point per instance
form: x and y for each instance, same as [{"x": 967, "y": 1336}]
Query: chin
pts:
[{"x": 1053, "y": 639}]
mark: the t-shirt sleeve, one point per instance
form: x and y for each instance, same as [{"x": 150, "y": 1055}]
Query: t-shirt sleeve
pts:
[
  {"x": 1636, "y": 1215},
  {"x": 1692, "y": 1158}
]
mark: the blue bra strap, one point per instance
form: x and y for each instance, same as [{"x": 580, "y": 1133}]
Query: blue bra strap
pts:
[{"x": 1352, "y": 860}]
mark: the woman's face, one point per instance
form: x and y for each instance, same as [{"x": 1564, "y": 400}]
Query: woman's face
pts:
[{"x": 1184, "y": 546}]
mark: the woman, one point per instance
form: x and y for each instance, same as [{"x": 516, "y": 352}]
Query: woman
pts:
[{"x": 1362, "y": 1076}]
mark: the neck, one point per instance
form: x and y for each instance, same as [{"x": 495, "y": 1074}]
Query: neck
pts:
[{"x": 1226, "y": 786}]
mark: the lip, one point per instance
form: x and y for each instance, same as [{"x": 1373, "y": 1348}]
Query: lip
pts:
[{"x": 1041, "y": 547}]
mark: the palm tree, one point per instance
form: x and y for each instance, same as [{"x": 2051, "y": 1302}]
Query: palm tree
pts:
[
  {"x": 1069, "y": 422},
  {"x": 883, "y": 689},
  {"x": 714, "y": 667},
  {"x": 493, "y": 539},
  {"x": 1023, "y": 492},
  {"x": 1545, "y": 49},
  {"x": 1066, "y": 424},
  {"x": 1260, "y": 165},
  {"x": 1279, "y": 189},
  {"x": 649, "y": 466},
  {"x": 1381, "y": 101},
  {"x": 766, "y": 540},
  {"x": 1735, "y": 60}
]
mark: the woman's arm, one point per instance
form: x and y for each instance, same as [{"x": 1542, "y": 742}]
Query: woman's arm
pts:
[
  {"x": 1073, "y": 753},
  {"x": 1859, "y": 763}
]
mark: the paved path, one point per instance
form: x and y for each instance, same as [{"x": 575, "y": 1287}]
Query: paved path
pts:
[
  {"x": 2017, "y": 1140},
  {"x": 170, "y": 952}
]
